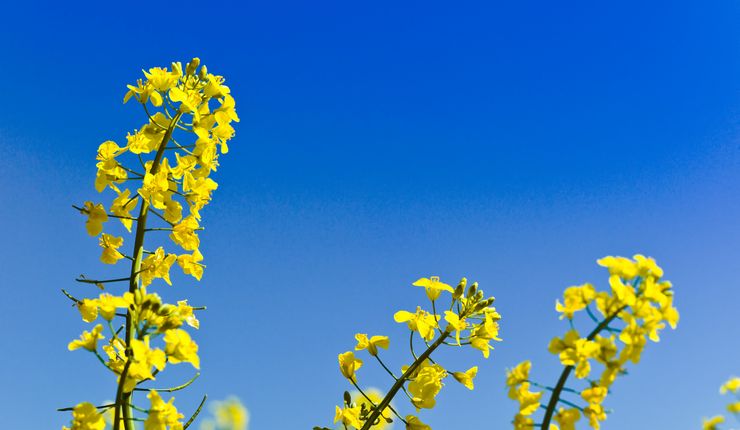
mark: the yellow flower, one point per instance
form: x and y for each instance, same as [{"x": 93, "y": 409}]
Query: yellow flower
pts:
[
  {"x": 186, "y": 314},
  {"x": 190, "y": 264},
  {"x": 594, "y": 395},
  {"x": 86, "y": 417},
  {"x": 198, "y": 190},
  {"x": 594, "y": 411},
  {"x": 96, "y": 216},
  {"x": 122, "y": 207},
  {"x": 349, "y": 416},
  {"x": 426, "y": 384},
  {"x": 575, "y": 351},
  {"x": 142, "y": 361},
  {"x": 149, "y": 137},
  {"x": 607, "y": 349},
  {"x": 155, "y": 188},
  {"x": 712, "y": 423},
  {"x": 421, "y": 321},
  {"x": 516, "y": 376},
  {"x": 214, "y": 87},
  {"x": 466, "y": 378},
  {"x": 88, "y": 339},
  {"x": 184, "y": 235},
  {"x": 349, "y": 364},
  {"x": 646, "y": 267},
  {"x": 595, "y": 414},
  {"x": 623, "y": 293},
  {"x": 522, "y": 422},
  {"x": 414, "y": 423},
  {"x": 576, "y": 299},
  {"x": 180, "y": 348},
  {"x": 529, "y": 401},
  {"x": 433, "y": 286},
  {"x": 186, "y": 163},
  {"x": 372, "y": 343},
  {"x": 88, "y": 309},
  {"x": 157, "y": 265},
  {"x": 162, "y": 416},
  {"x": 619, "y": 266},
  {"x": 162, "y": 79},
  {"x": 227, "y": 108},
  {"x": 633, "y": 336},
  {"x": 456, "y": 324},
  {"x": 109, "y": 171},
  {"x": 483, "y": 333},
  {"x": 189, "y": 99},
  {"x": 734, "y": 407},
  {"x": 731, "y": 385},
  {"x": 567, "y": 418},
  {"x": 110, "y": 245},
  {"x": 172, "y": 209},
  {"x": 143, "y": 93},
  {"x": 229, "y": 414},
  {"x": 107, "y": 305}
]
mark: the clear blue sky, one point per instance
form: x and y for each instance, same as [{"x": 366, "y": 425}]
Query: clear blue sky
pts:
[{"x": 510, "y": 142}]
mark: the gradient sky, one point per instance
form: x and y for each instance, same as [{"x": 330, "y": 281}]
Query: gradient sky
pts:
[{"x": 510, "y": 142}]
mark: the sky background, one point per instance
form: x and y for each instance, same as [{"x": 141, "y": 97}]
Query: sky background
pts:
[{"x": 513, "y": 143}]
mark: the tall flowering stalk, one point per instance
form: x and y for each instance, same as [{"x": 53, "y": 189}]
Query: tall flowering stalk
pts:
[
  {"x": 470, "y": 321},
  {"x": 635, "y": 309},
  {"x": 168, "y": 164}
]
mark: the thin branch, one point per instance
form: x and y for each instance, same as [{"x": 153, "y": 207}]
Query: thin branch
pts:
[
  {"x": 101, "y": 281},
  {"x": 172, "y": 389},
  {"x": 195, "y": 414}
]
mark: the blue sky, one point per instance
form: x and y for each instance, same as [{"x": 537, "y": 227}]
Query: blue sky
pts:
[{"x": 513, "y": 143}]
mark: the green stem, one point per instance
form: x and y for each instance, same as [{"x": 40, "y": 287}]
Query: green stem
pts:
[
  {"x": 170, "y": 390},
  {"x": 195, "y": 414}
]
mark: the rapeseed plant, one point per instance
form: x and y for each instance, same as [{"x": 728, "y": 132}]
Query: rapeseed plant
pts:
[
  {"x": 470, "y": 321},
  {"x": 638, "y": 305},
  {"x": 166, "y": 180}
]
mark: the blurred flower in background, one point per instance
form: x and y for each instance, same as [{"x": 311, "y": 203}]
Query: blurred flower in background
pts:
[
  {"x": 375, "y": 396},
  {"x": 229, "y": 414}
]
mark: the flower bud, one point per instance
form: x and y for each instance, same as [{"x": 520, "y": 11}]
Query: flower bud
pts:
[
  {"x": 472, "y": 289},
  {"x": 192, "y": 66}
]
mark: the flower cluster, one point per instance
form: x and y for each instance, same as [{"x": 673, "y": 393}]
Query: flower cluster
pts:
[
  {"x": 730, "y": 387},
  {"x": 165, "y": 180},
  {"x": 635, "y": 309},
  {"x": 470, "y": 320}
]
